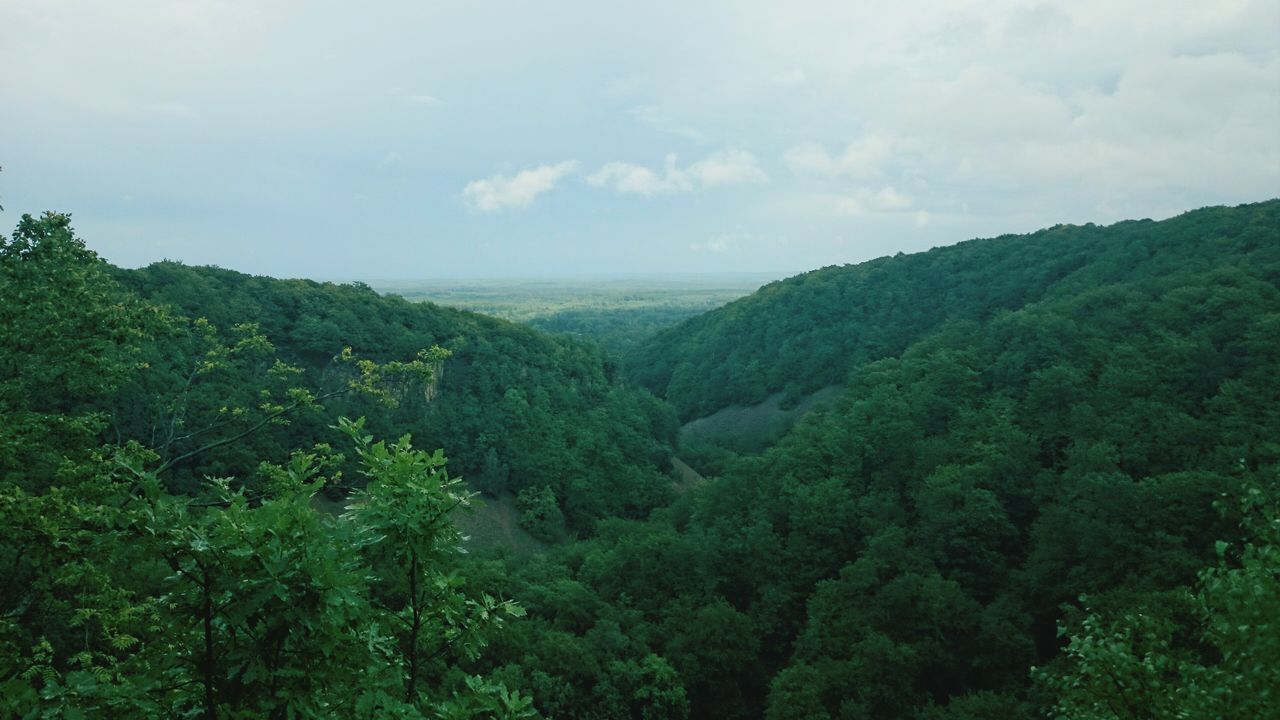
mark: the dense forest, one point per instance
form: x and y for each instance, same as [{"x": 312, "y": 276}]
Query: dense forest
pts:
[{"x": 1049, "y": 488}]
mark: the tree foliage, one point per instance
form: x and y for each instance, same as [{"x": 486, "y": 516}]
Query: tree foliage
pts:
[{"x": 1055, "y": 451}]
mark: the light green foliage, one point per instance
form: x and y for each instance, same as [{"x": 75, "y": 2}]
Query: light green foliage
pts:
[
  {"x": 1212, "y": 653},
  {"x": 282, "y": 622},
  {"x": 80, "y": 598},
  {"x": 237, "y": 606},
  {"x": 240, "y": 600},
  {"x": 407, "y": 538},
  {"x": 71, "y": 332}
]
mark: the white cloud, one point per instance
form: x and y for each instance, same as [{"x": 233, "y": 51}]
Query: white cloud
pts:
[
  {"x": 992, "y": 116},
  {"x": 861, "y": 158},
  {"x": 727, "y": 167},
  {"x": 723, "y": 243},
  {"x": 849, "y": 207},
  {"x": 640, "y": 180},
  {"x": 719, "y": 244},
  {"x": 890, "y": 199},
  {"x": 655, "y": 118},
  {"x": 499, "y": 192},
  {"x": 859, "y": 202},
  {"x": 415, "y": 98},
  {"x": 389, "y": 160},
  {"x": 789, "y": 78}
]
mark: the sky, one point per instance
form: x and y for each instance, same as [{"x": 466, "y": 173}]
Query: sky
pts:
[{"x": 418, "y": 139}]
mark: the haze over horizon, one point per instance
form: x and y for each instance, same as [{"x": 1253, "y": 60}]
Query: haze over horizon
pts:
[{"x": 424, "y": 140}]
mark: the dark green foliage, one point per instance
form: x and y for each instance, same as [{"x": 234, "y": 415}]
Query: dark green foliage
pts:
[
  {"x": 809, "y": 331},
  {"x": 1063, "y": 429},
  {"x": 543, "y": 405},
  {"x": 1211, "y": 652},
  {"x": 540, "y": 513},
  {"x": 1056, "y": 451},
  {"x": 71, "y": 336},
  {"x": 123, "y": 600},
  {"x": 494, "y": 477},
  {"x": 617, "y": 330}
]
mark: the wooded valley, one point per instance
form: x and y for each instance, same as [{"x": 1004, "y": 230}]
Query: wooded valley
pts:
[{"x": 1044, "y": 481}]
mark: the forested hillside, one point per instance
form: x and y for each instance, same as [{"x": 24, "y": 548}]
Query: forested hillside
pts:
[
  {"x": 167, "y": 434},
  {"x": 811, "y": 330},
  {"x": 514, "y": 409},
  {"x": 1048, "y": 488}
]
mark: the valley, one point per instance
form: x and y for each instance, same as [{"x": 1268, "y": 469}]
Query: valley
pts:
[{"x": 948, "y": 485}]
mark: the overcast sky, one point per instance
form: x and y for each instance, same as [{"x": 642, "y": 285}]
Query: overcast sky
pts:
[{"x": 408, "y": 139}]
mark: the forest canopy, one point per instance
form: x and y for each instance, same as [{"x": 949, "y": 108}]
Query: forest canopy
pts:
[{"x": 1048, "y": 486}]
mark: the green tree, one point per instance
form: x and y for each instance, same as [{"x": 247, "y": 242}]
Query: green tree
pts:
[
  {"x": 540, "y": 514},
  {"x": 409, "y": 540},
  {"x": 71, "y": 336},
  {"x": 1209, "y": 653}
]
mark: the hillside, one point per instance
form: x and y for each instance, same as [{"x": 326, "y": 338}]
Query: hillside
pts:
[
  {"x": 1063, "y": 457},
  {"x": 1044, "y": 482},
  {"x": 800, "y": 334},
  {"x": 512, "y": 408}
]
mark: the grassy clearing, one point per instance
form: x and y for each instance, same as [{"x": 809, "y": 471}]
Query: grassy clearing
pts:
[{"x": 754, "y": 426}]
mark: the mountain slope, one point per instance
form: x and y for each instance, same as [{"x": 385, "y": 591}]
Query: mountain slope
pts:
[
  {"x": 514, "y": 408},
  {"x": 808, "y": 331},
  {"x": 1068, "y": 432}
]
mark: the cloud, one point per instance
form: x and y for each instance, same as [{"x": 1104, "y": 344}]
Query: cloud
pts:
[
  {"x": 640, "y": 180},
  {"x": 861, "y": 159},
  {"x": 789, "y": 78},
  {"x": 654, "y": 117},
  {"x": 727, "y": 167},
  {"x": 415, "y": 98},
  {"x": 719, "y": 244},
  {"x": 390, "y": 160},
  {"x": 849, "y": 207},
  {"x": 858, "y": 203},
  {"x": 890, "y": 199},
  {"x": 723, "y": 243},
  {"x": 499, "y": 192},
  {"x": 989, "y": 117}
]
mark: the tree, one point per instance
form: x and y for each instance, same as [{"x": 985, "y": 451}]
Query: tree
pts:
[
  {"x": 403, "y": 516},
  {"x": 71, "y": 336},
  {"x": 493, "y": 475},
  {"x": 248, "y": 605},
  {"x": 540, "y": 513},
  {"x": 1208, "y": 653}
]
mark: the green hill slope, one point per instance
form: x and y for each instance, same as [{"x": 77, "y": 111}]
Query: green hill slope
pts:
[
  {"x": 514, "y": 408},
  {"x": 1042, "y": 438},
  {"x": 808, "y": 331}
]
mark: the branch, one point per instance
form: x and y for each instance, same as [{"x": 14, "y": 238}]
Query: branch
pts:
[{"x": 249, "y": 431}]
